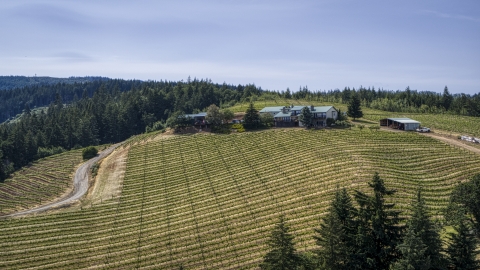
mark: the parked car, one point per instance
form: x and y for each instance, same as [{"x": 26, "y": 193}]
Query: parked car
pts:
[{"x": 423, "y": 129}]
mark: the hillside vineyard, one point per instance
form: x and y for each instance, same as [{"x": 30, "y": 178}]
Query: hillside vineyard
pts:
[{"x": 210, "y": 201}]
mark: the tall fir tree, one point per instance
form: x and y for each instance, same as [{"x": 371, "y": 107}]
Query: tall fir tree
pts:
[
  {"x": 334, "y": 236},
  {"x": 462, "y": 247},
  {"x": 354, "y": 110},
  {"x": 378, "y": 228},
  {"x": 251, "y": 118},
  {"x": 422, "y": 226},
  {"x": 282, "y": 254}
]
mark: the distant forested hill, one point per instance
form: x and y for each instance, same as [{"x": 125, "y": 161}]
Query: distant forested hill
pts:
[
  {"x": 15, "y": 101},
  {"x": 12, "y": 82}
]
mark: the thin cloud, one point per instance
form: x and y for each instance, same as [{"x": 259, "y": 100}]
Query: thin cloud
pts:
[{"x": 452, "y": 16}]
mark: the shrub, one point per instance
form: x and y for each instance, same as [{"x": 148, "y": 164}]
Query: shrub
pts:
[
  {"x": 45, "y": 152},
  {"x": 239, "y": 127},
  {"x": 89, "y": 152},
  {"x": 222, "y": 129},
  {"x": 330, "y": 121}
]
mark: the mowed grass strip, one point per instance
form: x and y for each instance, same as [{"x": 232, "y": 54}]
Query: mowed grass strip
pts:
[{"x": 210, "y": 202}]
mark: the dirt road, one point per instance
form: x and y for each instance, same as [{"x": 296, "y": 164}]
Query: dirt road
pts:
[
  {"x": 453, "y": 141},
  {"x": 80, "y": 186}
]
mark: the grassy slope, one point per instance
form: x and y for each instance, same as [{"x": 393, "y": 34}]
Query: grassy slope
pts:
[
  {"x": 209, "y": 202},
  {"x": 452, "y": 124},
  {"x": 44, "y": 180}
]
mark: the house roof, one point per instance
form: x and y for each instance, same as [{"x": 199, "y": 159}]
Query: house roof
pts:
[
  {"x": 322, "y": 108},
  {"x": 281, "y": 114},
  {"x": 295, "y": 108},
  {"x": 200, "y": 114},
  {"x": 404, "y": 120},
  {"x": 271, "y": 109}
]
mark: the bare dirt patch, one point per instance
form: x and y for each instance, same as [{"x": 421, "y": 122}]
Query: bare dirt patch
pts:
[{"x": 107, "y": 184}]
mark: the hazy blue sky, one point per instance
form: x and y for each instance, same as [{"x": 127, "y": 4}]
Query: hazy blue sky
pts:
[{"x": 274, "y": 44}]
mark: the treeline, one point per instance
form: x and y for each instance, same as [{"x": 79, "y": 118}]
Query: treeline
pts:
[
  {"x": 12, "y": 82},
  {"x": 411, "y": 101},
  {"x": 110, "y": 115},
  {"x": 368, "y": 233}
]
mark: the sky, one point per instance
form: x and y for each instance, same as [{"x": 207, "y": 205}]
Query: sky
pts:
[{"x": 321, "y": 44}]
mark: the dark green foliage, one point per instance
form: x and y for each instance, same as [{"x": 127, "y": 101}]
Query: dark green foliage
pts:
[
  {"x": 306, "y": 117},
  {"x": 334, "y": 238},
  {"x": 465, "y": 199},
  {"x": 447, "y": 99},
  {"x": 251, "y": 118},
  {"x": 427, "y": 232},
  {"x": 282, "y": 254},
  {"x": 178, "y": 120},
  {"x": 330, "y": 122},
  {"x": 45, "y": 152},
  {"x": 308, "y": 261},
  {"x": 413, "y": 251},
  {"x": 288, "y": 94},
  {"x": 354, "y": 109},
  {"x": 462, "y": 246},
  {"x": 89, "y": 152},
  {"x": 159, "y": 125},
  {"x": 12, "y": 82},
  {"x": 378, "y": 230}
]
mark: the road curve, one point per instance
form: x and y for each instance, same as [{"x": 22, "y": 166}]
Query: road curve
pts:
[{"x": 80, "y": 186}]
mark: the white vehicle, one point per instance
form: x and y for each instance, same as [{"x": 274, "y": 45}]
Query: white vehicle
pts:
[{"x": 423, "y": 129}]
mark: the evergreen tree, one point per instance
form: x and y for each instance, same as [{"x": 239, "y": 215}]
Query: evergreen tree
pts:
[
  {"x": 447, "y": 99},
  {"x": 282, "y": 254},
  {"x": 334, "y": 237},
  {"x": 378, "y": 229},
  {"x": 462, "y": 248},
  {"x": 306, "y": 117},
  {"x": 465, "y": 198},
  {"x": 251, "y": 118},
  {"x": 424, "y": 229},
  {"x": 413, "y": 252},
  {"x": 288, "y": 94},
  {"x": 354, "y": 109}
]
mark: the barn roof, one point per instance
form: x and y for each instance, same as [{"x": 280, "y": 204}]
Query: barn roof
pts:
[{"x": 404, "y": 120}]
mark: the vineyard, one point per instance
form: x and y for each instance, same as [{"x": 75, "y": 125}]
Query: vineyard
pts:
[
  {"x": 39, "y": 183},
  {"x": 210, "y": 201}
]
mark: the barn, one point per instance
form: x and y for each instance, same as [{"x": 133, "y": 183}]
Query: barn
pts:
[{"x": 400, "y": 123}]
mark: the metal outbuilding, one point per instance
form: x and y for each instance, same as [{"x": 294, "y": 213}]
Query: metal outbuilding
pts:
[{"x": 400, "y": 123}]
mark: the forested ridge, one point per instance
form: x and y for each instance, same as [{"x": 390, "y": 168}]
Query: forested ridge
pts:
[
  {"x": 111, "y": 114},
  {"x": 13, "y": 82}
]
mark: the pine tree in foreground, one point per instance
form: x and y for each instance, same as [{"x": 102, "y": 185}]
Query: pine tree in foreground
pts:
[
  {"x": 282, "y": 254},
  {"x": 422, "y": 226},
  {"x": 378, "y": 229},
  {"x": 333, "y": 238},
  {"x": 462, "y": 248},
  {"x": 413, "y": 252}
]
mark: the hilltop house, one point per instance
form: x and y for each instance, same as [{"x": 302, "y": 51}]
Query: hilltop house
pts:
[{"x": 288, "y": 116}]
